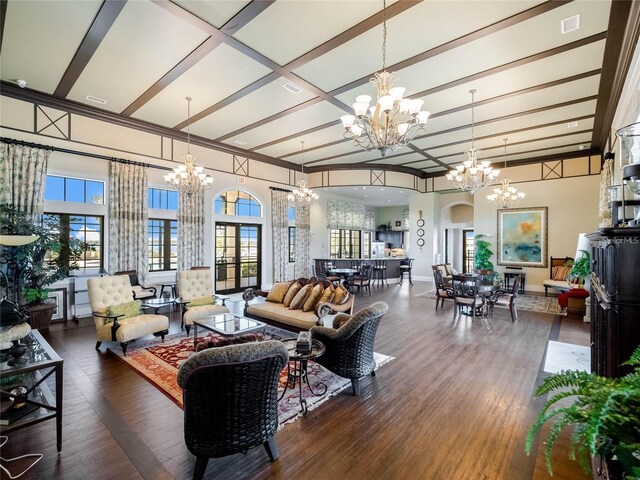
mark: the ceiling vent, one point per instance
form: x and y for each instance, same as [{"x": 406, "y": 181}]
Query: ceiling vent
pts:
[
  {"x": 101, "y": 101},
  {"x": 572, "y": 125},
  {"x": 570, "y": 24},
  {"x": 292, "y": 88}
]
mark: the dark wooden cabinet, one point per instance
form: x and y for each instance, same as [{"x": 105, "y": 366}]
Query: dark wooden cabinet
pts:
[
  {"x": 391, "y": 237},
  {"x": 615, "y": 299}
]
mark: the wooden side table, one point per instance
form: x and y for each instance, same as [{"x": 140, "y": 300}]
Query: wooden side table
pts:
[{"x": 509, "y": 276}]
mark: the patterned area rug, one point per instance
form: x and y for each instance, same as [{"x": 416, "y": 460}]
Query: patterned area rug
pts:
[
  {"x": 533, "y": 303},
  {"x": 158, "y": 363}
]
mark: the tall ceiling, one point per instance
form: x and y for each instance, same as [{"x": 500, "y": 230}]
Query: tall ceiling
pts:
[{"x": 549, "y": 93}]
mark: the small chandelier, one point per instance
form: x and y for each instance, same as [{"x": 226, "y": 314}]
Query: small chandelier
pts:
[
  {"x": 506, "y": 196},
  {"x": 471, "y": 175},
  {"x": 393, "y": 121},
  {"x": 302, "y": 194},
  {"x": 188, "y": 178}
]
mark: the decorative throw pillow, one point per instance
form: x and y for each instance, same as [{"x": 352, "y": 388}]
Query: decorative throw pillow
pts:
[
  {"x": 298, "y": 301},
  {"x": 561, "y": 273},
  {"x": 224, "y": 341},
  {"x": 341, "y": 296},
  {"x": 278, "y": 291},
  {"x": 327, "y": 295},
  {"x": 293, "y": 290},
  {"x": 127, "y": 310},
  {"x": 312, "y": 300},
  {"x": 199, "y": 302}
]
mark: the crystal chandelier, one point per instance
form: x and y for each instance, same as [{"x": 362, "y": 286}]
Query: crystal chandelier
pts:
[
  {"x": 302, "y": 194},
  {"x": 188, "y": 178},
  {"x": 472, "y": 175},
  {"x": 506, "y": 196},
  {"x": 393, "y": 121}
]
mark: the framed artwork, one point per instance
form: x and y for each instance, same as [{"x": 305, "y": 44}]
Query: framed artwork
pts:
[
  {"x": 522, "y": 237},
  {"x": 59, "y": 297}
]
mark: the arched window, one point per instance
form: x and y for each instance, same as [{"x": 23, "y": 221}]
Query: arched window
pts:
[{"x": 237, "y": 202}]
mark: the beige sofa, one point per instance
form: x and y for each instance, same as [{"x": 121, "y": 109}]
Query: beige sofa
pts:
[{"x": 295, "y": 320}]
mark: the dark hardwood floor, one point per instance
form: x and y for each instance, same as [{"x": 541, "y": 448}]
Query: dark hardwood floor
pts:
[{"x": 456, "y": 403}]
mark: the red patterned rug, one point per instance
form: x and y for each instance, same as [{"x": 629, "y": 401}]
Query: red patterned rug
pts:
[{"x": 158, "y": 363}]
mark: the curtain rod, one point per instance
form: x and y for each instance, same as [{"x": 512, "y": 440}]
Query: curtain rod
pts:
[
  {"x": 13, "y": 141},
  {"x": 280, "y": 189}
]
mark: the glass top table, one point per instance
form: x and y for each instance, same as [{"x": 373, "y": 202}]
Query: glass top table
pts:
[{"x": 226, "y": 324}]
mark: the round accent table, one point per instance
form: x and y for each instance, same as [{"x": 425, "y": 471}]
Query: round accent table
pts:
[{"x": 297, "y": 370}]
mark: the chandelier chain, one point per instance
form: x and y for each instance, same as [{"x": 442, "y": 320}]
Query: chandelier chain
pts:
[
  {"x": 189, "y": 125},
  {"x": 384, "y": 35}
]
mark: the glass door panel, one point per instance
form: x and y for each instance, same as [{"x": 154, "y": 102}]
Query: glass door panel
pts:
[{"x": 237, "y": 257}]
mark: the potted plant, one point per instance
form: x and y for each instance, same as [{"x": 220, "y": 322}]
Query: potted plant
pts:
[
  {"x": 29, "y": 269},
  {"x": 606, "y": 415},
  {"x": 481, "y": 258},
  {"x": 581, "y": 269}
]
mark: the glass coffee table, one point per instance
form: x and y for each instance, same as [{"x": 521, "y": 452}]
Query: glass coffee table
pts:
[{"x": 227, "y": 325}]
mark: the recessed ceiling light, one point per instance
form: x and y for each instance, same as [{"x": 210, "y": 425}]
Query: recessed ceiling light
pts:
[
  {"x": 570, "y": 24},
  {"x": 581, "y": 147},
  {"x": 239, "y": 142},
  {"x": 572, "y": 124},
  {"x": 382, "y": 189},
  {"x": 388, "y": 200},
  {"x": 91, "y": 98},
  {"x": 355, "y": 188},
  {"x": 292, "y": 88},
  {"x": 401, "y": 191},
  {"x": 364, "y": 188}
]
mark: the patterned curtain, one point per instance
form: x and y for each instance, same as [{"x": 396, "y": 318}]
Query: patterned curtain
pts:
[
  {"x": 23, "y": 173},
  {"x": 280, "y": 234},
  {"x": 128, "y": 219},
  {"x": 190, "y": 230},
  {"x": 303, "y": 254},
  {"x": 350, "y": 216}
]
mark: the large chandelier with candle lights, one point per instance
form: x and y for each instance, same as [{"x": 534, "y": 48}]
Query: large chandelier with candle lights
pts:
[
  {"x": 505, "y": 196},
  {"x": 302, "y": 194}
]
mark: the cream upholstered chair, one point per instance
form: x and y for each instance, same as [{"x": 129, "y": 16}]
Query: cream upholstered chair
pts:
[
  {"x": 193, "y": 285},
  {"x": 105, "y": 292}
]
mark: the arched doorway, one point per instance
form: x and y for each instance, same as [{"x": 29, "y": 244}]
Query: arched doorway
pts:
[{"x": 457, "y": 236}]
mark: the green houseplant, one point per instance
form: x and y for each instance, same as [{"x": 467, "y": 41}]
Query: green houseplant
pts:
[
  {"x": 482, "y": 253},
  {"x": 605, "y": 412},
  {"x": 29, "y": 269},
  {"x": 581, "y": 269}
]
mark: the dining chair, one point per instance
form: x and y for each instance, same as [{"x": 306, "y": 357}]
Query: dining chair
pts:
[
  {"x": 380, "y": 272},
  {"x": 507, "y": 298},
  {"x": 363, "y": 280},
  {"x": 335, "y": 279},
  {"x": 443, "y": 291},
  {"x": 465, "y": 294},
  {"x": 405, "y": 268}
]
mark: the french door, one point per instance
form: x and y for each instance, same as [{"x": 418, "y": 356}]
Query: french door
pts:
[
  {"x": 238, "y": 260},
  {"x": 467, "y": 251}
]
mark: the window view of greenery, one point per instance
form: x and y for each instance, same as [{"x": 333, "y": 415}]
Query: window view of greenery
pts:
[
  {"x": 163, "y": 244},
  {"x": 69, "y": 189},
  {"x": 237, "y": 202},
  {"x": 344, "y": 243},
  {"x": 164, "y": 199},
  {"x": 84, "y": 228},
  {"x": 292, "y": 244}
]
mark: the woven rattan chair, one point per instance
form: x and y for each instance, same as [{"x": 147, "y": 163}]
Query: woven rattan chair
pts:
[
  {"x": 230, "y": 397},
  {"x": 349, "y": 343}
]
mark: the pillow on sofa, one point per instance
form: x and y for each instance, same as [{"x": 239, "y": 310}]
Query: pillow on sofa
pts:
[
  {"x": 327, "y": 295},
  {"x": 293, "y": 290},
  {"x": 128, "y": 310},
  {"x": 560, "y": 273},
  {"x": 342, "y": 295},
  {"x": 298, "y": 301},
  {"x": 224, "y": 341},
  {"x": 312, "y": 300},
  {"x": 200, "y": 301},
  {"x": 278, "y": 291}
]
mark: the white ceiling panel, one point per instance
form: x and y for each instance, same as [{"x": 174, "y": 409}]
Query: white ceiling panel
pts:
[
  {"x": 358, "y": 157},
  {"x": 119, "y": 73},
  {"x": 317, "y": 114},
  {"x": 270, "y": 99},
  {"x": 413, "y": 31},
  {"x": 405, "y": 156},
  {"x": 320, "y": 137},
  {"x": 35, "y": 48},
  {"x": 215, "y": 12},
  {"x": 204, "y": 84},
  {"x": 302, "y": 26}
]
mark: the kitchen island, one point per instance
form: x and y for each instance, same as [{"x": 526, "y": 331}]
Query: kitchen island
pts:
[{"x": 392, "y": 263}]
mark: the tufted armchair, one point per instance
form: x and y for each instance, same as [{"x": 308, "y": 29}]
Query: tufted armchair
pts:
[
  {"x": 192, "y": 285},
  {"x": 349, "y": 343},
  {"x": 105, "y": 292},
  {"x": 230, "y": 397}
]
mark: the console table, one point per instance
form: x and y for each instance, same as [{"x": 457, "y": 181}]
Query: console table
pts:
[{"x": 31, "y": 370}]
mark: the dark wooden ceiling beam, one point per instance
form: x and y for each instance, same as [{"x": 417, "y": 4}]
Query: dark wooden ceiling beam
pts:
[
  {"x": 3, "y": 16},
  {"x": 244, "y": 16},
  {"x": 359, "y": 166},
  {"x": 622, "y": 40},
  {"x": 101, "y": 25}
]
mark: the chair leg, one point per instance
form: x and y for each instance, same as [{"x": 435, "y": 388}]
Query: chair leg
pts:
[
  {"x": 271, "y": 448},
  {"x": 98, "y": 345},
  {"x": 201, "y": 467},
  {"x": 545, "y": 290},
  {"x": 373, "y": 373},
  {"x": 124, "y": 348},
  {"x": 437, "y": 302},
  {"x": 187, "y": 328},
  {"x": 355, "y": 384},
  {"x": 410, "y": 279}
]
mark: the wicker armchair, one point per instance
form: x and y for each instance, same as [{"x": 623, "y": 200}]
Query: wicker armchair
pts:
[
  {"x": 230, "y": 397},
  {"x": 349, "y": 343}
]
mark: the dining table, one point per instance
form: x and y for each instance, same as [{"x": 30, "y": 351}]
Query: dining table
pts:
[{"x": 345, "y": 273}]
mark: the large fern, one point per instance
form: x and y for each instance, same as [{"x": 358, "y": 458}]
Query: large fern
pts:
[{"x": 605, "y": 412}]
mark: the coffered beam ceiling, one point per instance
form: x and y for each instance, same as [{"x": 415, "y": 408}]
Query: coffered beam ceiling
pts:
[{"x": 144, "y": 57}]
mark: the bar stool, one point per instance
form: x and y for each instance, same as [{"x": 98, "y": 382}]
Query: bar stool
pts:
[
  {"x": 380, "y": 272},
  {"x": 405, "y": 267}
]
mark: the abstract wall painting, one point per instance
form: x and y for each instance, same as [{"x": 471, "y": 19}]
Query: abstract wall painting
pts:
[{"x": 522, "y": 237}]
